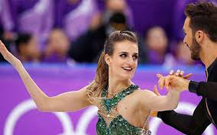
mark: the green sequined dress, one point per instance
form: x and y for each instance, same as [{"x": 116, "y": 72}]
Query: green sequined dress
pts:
[{"x": 112, "y": 123}]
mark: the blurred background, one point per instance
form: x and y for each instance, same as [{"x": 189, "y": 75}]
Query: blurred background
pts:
[{"x": 59, "y": 42}]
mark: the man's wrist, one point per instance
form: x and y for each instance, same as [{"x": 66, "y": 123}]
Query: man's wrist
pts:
[{"x": 193, "y": 86}]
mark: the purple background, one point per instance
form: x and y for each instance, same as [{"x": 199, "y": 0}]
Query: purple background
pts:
[
  {"x": 166, "y": 13},
  {"x": 55, "y": 79}
]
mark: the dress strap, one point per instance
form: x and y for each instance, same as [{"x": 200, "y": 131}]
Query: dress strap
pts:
[
  {"x": 146, "y": 120},
  {"x": 144, "y": 130}
]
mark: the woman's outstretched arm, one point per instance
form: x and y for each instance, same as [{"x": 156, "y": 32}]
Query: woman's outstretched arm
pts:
[
  {"x": 151, "y": 101},
  {"x": 69, "y": 101}
]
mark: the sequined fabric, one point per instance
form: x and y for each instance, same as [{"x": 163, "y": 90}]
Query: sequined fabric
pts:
[{"x": 112, "y": 123}]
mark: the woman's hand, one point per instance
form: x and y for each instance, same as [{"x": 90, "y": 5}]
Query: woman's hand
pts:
[{"x": 7, "y": 55}]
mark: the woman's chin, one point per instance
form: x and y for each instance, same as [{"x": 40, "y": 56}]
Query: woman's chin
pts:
[{"x": 126, "y": 77}]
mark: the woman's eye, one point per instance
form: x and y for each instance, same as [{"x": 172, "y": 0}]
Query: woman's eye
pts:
[
  {"x": 123, "y": 55},
  {"x": 135, "y": 57}
]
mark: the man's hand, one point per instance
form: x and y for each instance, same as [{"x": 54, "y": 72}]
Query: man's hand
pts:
[
  {"x": 176, "y": 81},
  {"x": 180, "y": 73}
]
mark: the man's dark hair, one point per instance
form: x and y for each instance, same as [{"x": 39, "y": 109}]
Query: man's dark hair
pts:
[{"x": 203, "y": 16}]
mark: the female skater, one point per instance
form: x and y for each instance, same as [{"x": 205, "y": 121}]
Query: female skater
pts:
[{"x": 124, "y": 109}]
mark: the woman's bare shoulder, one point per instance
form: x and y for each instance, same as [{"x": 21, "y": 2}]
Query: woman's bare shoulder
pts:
[{"x": 144, "y": 93}]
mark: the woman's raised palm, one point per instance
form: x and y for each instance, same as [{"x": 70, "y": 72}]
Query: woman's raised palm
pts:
[{"x": 6, "y": 54}]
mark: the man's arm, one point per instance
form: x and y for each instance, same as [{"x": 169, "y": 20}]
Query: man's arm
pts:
[
  {"x": 176, "y": 120},
  {"x": 191, "y": 125},
  {"x": 205, "y": 89}
]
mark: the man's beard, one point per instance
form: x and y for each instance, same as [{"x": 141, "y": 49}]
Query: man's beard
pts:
[{"x": 195, "y": 50}]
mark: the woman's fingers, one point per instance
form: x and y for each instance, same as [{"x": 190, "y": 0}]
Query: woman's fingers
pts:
[
  {"x": 3, "y": 49},
  {"x": 161, "y": 81},
  {"x": 167, "y": 82},
  {"x": 156, "y": 91}
]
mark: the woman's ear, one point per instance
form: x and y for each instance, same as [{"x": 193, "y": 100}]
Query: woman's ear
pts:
[{"x": 107, "y": 59}]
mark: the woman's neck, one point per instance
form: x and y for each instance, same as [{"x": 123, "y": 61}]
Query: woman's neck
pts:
[{"x": 115, "y": 86}]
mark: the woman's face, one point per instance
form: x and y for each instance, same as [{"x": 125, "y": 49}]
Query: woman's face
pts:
[{"x": 123, "y": 62}]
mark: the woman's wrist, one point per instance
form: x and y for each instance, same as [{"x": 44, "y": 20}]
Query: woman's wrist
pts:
[
  {"x": 173, "y": 91},
  {"x": 17, "y": 64}
]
